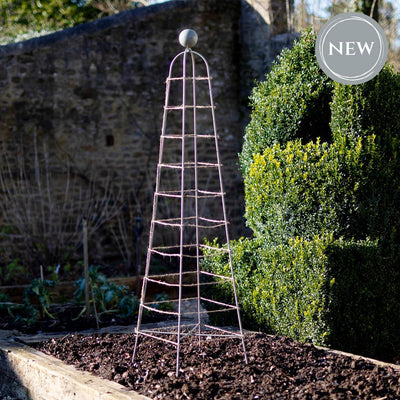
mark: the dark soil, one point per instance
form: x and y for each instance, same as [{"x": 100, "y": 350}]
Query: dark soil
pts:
[{"x": 278, "y": 368}]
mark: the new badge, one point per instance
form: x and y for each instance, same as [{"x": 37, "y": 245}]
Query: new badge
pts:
[{"x": 351, "y": 48}]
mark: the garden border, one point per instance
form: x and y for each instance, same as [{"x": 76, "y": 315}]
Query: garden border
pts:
[
  {"x": 32, "y": 375},
  {"x": 29, "y": 373}
]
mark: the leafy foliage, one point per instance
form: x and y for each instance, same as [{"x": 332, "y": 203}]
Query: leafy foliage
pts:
[
  {"x": 107, "y": 296},
  {"x": 40, "y": 291},
  {"x": 368, "y": 7},
  {"x": 340, "y": 293},
  {"x": 324, "y": 206},
  {"x": 369, "y": 109},
  {"x": 279, "y": 287},
  {"x": 347, "y": 185},
  {"x": 293, "y": 102},
  {"x": 162, "y": 302},
  {"x": 4, "y": 303},
  {"x": 21, "y": 20},
  {"x": 12, "y": 272},
  {"x": 109, "y": 7},
  {"x": 312, "y": 189},
  {"x": 18, "y": 16}
]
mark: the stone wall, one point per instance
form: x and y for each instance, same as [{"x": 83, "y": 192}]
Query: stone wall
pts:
[{"x": 95, "y": 93}]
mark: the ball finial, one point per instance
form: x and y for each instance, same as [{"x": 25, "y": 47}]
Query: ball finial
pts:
[{"x": 188, "y": 38}]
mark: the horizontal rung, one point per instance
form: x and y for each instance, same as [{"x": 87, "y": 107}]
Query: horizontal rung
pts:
[
  {"x": 222, "y": 310},
  {"x": 190, "y": 193},
  {"x": 190, "y": 222},
  {"x": 223, "y": 249},
  {"x": 216, "y": 221},
  {"x": 165, "y": 254},
  {"x": 174, "y": 284},
  {"x": 169, "y": 329},
  {"x": 172, "y": 274},
  {"x": 175, "y": 312},
  {"x": 228, "y": 278},
  {"x": 159, "y": 311},
  {"x": 189, "y": 246},
  {"x": 186, "y": 285},
  {"x": 169, "y": 194},
  {"x": 167, "y": 223},
  {"x": 190, "y": 78},
  {"x": 177, "y": 225},
  {"x": 188, "y": 106},
  {"x": 207, "y": 192},
  {"x": 152, "y": 334},
  {"x": 215, "y": 328},
  {"x": 162, "y": 282},
  {"x": 176, "y": 246},
  {"x": 189, "y": 135},
  {"x": 218, "y": 303},
  {"x": 155, "y": 337},
  {"x": 190, "y": 164}
]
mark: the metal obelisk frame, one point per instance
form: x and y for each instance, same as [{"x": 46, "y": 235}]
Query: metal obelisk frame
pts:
[{"x": 184, "y": 192}]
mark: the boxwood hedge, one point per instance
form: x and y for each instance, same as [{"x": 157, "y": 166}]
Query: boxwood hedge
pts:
[
  {"x": 293, "y": 102},
  {"x": 338, "y": 293},
  {"x": 321, "y": 166},
  {"x": 311, "y": 189}
]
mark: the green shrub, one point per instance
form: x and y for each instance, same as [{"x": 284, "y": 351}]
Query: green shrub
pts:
[
  {"x": 305, "y": 188},
  {"x": 280, "y": 288},
  {"x": 321, "y": 165},
  {"x": 21, "y": 19},
  {"x": 369, "y": 109},
  {"x": 330, "y": 292},
  {"x": 245, "y": 259},
  {"x": 373, "y": 109},
  {"x": 364, "y": 306},
  {"x": 348, "y": 185},
  {"x": 4, "y": 303},
  {"x": 312, "y": 189},
  {"x": 293, "y": 102}
]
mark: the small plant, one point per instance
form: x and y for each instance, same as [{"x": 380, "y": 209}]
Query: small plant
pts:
[
  {"x": 39, "y": 291},
  {"x": 14, "y": 310},
  {"x": 59, "y": 271},
  {"x": 37, "y": 294},
  {"x": 107, "y": 297}
]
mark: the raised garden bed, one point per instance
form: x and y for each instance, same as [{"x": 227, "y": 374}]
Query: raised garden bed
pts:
[
  {"x": 28, "y": 374},
  {"x": 278, "y": 368}
]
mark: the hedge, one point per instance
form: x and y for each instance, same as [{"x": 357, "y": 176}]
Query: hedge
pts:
[
  {"x": 312, "y": 189},
  {"x": 368, "y": 109},
  {"x": 373, "y": 109},
  {"x": 293, "y": 102},
  {"x": 321, "y": 167},
  {"x": 338, "y": 293}
]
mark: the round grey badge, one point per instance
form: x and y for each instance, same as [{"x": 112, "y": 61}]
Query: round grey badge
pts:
[{"x": 351, "y": 48}]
